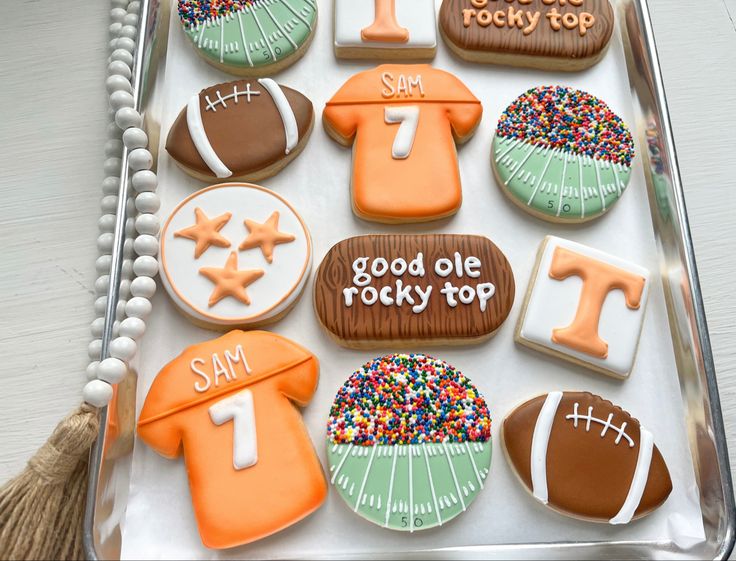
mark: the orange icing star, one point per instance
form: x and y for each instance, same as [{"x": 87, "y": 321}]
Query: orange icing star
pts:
[
  {"x": 265, "y": 235},
  {"x": 206, "y": 232},
  {"x": 229, "y": 281}
]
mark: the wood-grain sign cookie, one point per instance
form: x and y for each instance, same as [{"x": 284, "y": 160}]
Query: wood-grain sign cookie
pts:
[
  {"x": 545, "y": 34},
  {"x": 372, "y": 291}
]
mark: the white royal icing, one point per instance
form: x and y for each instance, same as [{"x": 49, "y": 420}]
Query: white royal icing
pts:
[
  {"x": 540, "y": 441},
  {"x": 418, "y": 16},
  {"x": 407, "y": 117},
  {"x": 552, "y": 304},
  {"x": 239, "y": 409},
  {"x": 202, "y": 142},
  {"x": 291, "y": 130},
  {"x": 639, "y": 482}
]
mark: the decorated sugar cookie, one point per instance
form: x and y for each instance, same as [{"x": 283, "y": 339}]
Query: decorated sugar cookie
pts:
[
  {"x": 399, "y": 290},
  {"x": 585, "y": 457},
  {"x": 585, "y": 306},
  {"x": 545, "y": 34},
  {"x": 234, "y": 254},
  {"x": 244, "y": 130},
  {"x": 387, "y": 29},
  {"x": 227, "y": 405},
  {"x": 408, "y": 442},
  {"x": 403, "y": 122},
  {"x": 249, "y": 37},
  {"x": 562, "y": 154}
]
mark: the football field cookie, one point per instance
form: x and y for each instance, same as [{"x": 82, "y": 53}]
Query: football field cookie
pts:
[
  {"x": 562, "y": 154},
  {"x": 249, "y": 37},
  {"x": 585, "y": 306},
  {"x": 386, "y": 29},
  {"x": 228, "y": 406},
  {"x": 234, "y": 254},
  {"x": 245, "y": 130},
  {"x": 403, "y": 122},
  {"x": 408, "y": 442},
  {"x": 406, "y": 290},
  {"x": 585, "y": 457},
  {"x": 544, "y": 34}
]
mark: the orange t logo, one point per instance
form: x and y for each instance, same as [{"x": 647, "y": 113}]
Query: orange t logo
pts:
[
  {"x": 598, "y": 280},
  {"x": 385, "y": 28}
]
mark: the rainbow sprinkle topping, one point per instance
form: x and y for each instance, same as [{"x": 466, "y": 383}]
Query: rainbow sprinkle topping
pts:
[
  {"x": 408, "y": 399},
  {"x": 194, "y": 12},
  {"x": 570, "y": 120}
]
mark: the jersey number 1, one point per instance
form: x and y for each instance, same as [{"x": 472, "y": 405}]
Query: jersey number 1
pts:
[
  {"x": 407, "y": 117},
  {"x": 239, "y": 409},
  {"x": 385, "y": 28}
]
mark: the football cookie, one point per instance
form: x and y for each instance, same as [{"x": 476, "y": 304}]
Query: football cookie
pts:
[
  {"x": 386, "y": 29},
  {"x": 544, "y": 34},
  {"x": 408, "y": 442},
  {"x": 585, "y": 306},
  {"x": 227, "y": 405},
  {"x": 400, "y": 290},
  {"x": 403, "y": 122},
  {"x": 234, "y": 255},
  {"x": 249, "y": 37},
  {"x": 562, "y": 154},
  {"x": 585, "y": 457},
  {"x": 245, "y": 130}
]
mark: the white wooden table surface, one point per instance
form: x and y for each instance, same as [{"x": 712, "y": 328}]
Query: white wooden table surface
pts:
[{"x": 53, "y": 114}]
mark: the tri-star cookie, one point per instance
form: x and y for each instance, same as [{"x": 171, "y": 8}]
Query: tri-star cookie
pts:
[
  {"x": 249, "y": 37},
  {"x": 585, "y": 306},
  {"x": 544, "y": 34},
  {"x": 245, "y": 130},
  {"x": 234, "y": 254},
  {"x": 228, "y": 406},
  {"x": 406, "y": 290},
  {"x": 586, "y": 458},
  {"x": 386, "y": 29},
  {"x": 408, "y": 442},
  {"x": 562, "y": 154},
  {"x": 403, "y": 122}
]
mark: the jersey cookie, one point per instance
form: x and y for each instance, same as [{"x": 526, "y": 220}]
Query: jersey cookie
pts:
[
  {"x": 387, "y": 29},
  {"x": 403, "y": 122},
  {"x": 245, "y": 130},
  {"x": 585, "y": 306},
  {"x": 543, "y": 34},
  {"x": 234, "y": 254},
  {"x": 249, "y": 37},
  {"x": 585, "y": 457},
  {"x": 562, "y": 154},
  {"x": 400, "y": 473},
  {"x": 373, "y": 291},
  {"x": 228, "y": 405}
]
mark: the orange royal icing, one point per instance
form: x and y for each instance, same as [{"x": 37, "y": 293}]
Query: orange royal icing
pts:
[
  {"x": 227, "y": 404},
  {"x": 598, "y": 280},
  {"x": 385, "y": 28},
  {"x": 403, "y": 121}
]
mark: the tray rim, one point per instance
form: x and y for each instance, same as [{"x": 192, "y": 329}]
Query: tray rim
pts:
[{"x": 144, "y": 74}]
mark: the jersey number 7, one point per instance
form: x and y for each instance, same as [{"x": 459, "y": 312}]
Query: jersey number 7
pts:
[
  {"x": 407, "y": 117},
  {"x": 239, "y": 408}
]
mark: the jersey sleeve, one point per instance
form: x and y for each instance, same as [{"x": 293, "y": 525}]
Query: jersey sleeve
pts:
[
  {"x": 158, "y": 429},
  {"x": 464, "y": 112},
  {"x": 300, "y": 382},
  {"x": 342, "y": 119}
]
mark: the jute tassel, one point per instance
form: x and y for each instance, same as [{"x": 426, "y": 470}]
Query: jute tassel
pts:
[{"x": 41, "y": 510}]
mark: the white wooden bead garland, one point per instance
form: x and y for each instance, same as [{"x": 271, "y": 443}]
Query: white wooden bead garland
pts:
[{"x": 137, "y": 284}]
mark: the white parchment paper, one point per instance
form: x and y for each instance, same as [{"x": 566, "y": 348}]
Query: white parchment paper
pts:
[{"x": 160, "y": 522}]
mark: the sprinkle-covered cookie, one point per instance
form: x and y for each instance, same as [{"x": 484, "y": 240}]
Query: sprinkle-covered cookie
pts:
[
  {"x": 249, "y": 37},
  {"x": 562, "y": 154},
  {"x": 409, "y": 442}
]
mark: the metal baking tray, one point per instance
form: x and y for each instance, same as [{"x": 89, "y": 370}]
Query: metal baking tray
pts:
[{"x": 110, "y": 461}]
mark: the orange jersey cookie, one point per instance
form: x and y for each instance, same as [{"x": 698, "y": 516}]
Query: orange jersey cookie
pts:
[
  {"x": 403, "y": 122},
  {"x": 227, "y": 404}
]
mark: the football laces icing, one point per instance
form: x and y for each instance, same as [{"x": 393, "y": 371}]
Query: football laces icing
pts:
[
  {"x": 221, "y": 101},
  {"x": 576, "y": 417}
]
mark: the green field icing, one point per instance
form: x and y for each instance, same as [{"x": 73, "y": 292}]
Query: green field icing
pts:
[
  {"x": 261, "y": 34},
  {"x": 409, "y": 487},
  {"x": 556, "y": 183}
]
